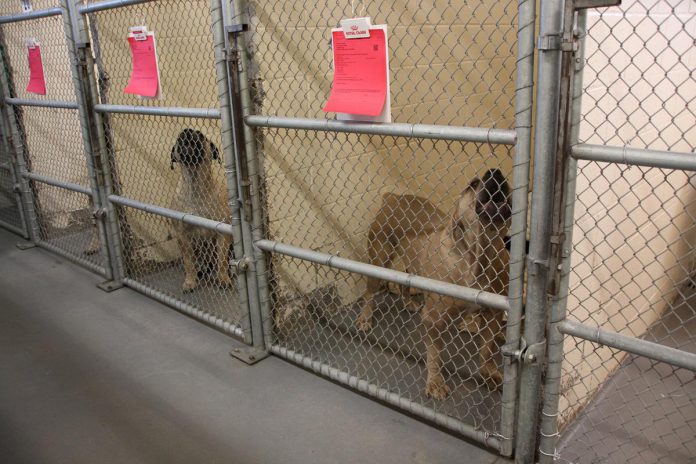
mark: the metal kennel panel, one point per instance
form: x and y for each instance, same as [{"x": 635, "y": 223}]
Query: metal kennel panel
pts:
[
  {"x": 162, "y": 205},
  {"x": 622, "y": 344},
  {"x": 11, "y": 213},
  {"x": 48, "y": 142},
  {"x": 461, "y": 105}
]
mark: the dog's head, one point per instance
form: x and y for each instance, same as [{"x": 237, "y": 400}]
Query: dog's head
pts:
[
  {"x": 193, "y": 149},
  {"x": 493, "y": 199},
  {"x": 486, "y": 200}
]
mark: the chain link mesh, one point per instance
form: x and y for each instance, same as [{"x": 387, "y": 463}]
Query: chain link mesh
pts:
[
  {"x": 185, "y": 264},
  {"x": 9, "y": 203},
  {"x": 51, "y": 138},
  {"x": 633, "y": 258}
]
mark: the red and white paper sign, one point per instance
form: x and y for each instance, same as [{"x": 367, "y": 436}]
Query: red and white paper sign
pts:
[
  {"x": 361, "y": 76},
  {"x": 144, "y": 79},
  {"x": 37, "y": 81}
]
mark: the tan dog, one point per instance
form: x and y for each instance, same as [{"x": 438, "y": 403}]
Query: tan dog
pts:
[
  {"x": 466, "y": 248},
  {"x": 199, "y": 193}
]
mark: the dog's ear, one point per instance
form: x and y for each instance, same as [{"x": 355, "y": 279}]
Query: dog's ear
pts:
[{"x": 214, "y": 151}]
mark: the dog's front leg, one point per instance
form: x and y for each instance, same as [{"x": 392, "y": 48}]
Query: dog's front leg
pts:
[
  {"x": 188, "y": 255},
  {"x": 490, "y": 335},
  {"x": 435, "y": 325},
  {"x": 224, "y": 242}
]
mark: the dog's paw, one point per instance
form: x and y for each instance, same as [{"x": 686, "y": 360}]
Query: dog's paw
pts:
[
  {"x": 364, "y": 323},
  {"x": 225, "y": 282},
  {"x": 492, "y": 376},
  {"x": 437, "y": 389},
  {"x": 189, "y": 285}
]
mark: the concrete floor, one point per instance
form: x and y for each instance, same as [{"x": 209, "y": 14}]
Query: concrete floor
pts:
[{"x": 90, "y": 377}]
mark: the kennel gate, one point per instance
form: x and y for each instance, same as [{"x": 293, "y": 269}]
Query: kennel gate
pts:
[
  {"x": 619, "y": 381},
  {"x": 70, "y": 34}
]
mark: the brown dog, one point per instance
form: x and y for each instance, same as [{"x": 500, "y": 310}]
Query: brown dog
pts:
[
  {"x": 466, "y": 248},
  {"x": 198, "y": 193}
]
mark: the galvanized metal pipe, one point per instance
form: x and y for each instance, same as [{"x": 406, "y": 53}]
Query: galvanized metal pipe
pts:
[
  {"x": 58, "y": 183},
  {"x": 210, "y": 319},
  {"x": 635, "y": 156},
  {"x": 554, "y": 348},
  {"x": 423, "y": 131},
  {"x": 14, "y": 136},
  {"x": 471, "y": 295},
  {"x": 389, "y": 397},
  {"x": 175, "y": 112},
  {"x": 36, "y": 14},
  {"x": 101, "y": 161},
  {"x": 545, "y": 142},
  {"x": 98, "y": 199},
  {"x": 108, "y": 5},
  {"x": 246, "y": 283},
  {"x": 42, "y": 103},
  {"x": 254, "y": 169},
  {"x": 12, "y": 228},
  {"x": 96, "y": 268},
  {"x": 524, "y": 95},
  {"x": 13, "y": 170},
  {"x": 630, "y": 344},
  {"x": 204, "y": 223}
]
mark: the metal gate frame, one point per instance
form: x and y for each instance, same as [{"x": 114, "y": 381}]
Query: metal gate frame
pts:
[
  {"x": 560, "y": 83},
  {"x": 520, "y": 138}
]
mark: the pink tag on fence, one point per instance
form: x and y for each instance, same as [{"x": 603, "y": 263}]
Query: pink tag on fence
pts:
[
  {"x": 360, "y": 74},
  {"x": 37, "y": 82},
  {"x": 144, "y": 79}
]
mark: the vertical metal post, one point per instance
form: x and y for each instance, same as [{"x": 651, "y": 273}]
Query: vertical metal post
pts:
[
  {"x": 84, "y": 82},
  {"x": 243, "y": 107},
  {"x": 545, "y": 136},
  {"x": 552, "y": 383},
  {"x": 15, "y": 141},
  {"x": 524, "y": 96},
  {"x": 14, "y": 170},
  {"x": 231, "y": 173}
]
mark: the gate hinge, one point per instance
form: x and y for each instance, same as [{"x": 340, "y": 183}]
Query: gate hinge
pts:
[
  {"x": 526, "y": 354},
  {"x": 99, "y": 213},
  {"x": 556, "y": 42},
  {"x": 533, "y": 265},
  {"x": 237, "y": 28},
  {"x": 17, "y": 188}
]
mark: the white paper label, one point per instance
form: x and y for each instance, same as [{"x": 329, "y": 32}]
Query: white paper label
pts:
[
  {"x": 356, "y": 28},
  {"x": 138, "y": 32}
]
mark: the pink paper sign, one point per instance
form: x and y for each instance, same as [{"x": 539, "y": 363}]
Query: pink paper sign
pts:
[
  {"x": 144, "y": 79},
  {"x": 37, "y": 82},
  {"x": 360, "y": 74}
]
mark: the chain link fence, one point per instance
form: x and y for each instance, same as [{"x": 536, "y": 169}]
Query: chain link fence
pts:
[
  {"x": 632, "y": 256},
  {"x": 390, "y": 201},
  {"x": 167, "y": 161},
  {"x": 50, "y": 141}
]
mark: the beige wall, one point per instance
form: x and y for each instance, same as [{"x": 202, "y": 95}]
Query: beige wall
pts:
[
  {"x": 634, "y": 232},
  {"x": 448, "y": 64}
]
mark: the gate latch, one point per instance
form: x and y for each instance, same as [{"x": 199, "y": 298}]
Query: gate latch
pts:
[
  {"x": 241, "y": 265},
  {"x": 527, "y": 354}
]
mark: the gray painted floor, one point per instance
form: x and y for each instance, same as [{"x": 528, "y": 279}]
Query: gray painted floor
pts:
[{"x": 90, "y": 377}]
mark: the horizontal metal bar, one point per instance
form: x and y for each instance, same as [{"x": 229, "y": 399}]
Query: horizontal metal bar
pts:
[
  {"x": 12, "y": 228},
  {"x": 15, "y": 18},
  {"x": 423, "y": 131},
  {"x": 205, "y": 113},
  {"x": 108, "y": 5},
  {"x": 215, "y": 226},
  {"x": 389, "y": 397},
  {"x": 630, "y": 344},
  {"x": 635, "y": 156},
  {"x": 76, "y": 259},
  {"x": 479, "y": 297},
  {"x": 190, "y": 310},
  {"x": 57, "y": 183},
  {"x": 42, "y": 103}
]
